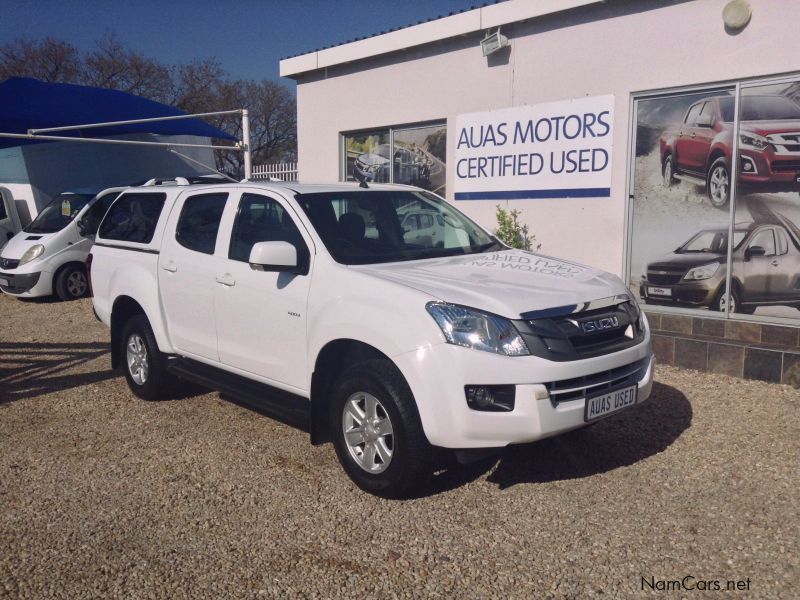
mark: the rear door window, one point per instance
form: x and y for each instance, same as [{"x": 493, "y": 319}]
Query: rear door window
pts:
[
  {"x": 133, "y": 218},
  {"x": 198, "y": 224}
]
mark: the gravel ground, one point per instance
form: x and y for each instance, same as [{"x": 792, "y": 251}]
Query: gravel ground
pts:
[{"x": 102, "y": 494}]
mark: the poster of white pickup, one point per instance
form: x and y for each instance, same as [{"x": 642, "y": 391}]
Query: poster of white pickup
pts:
[{"x": 554, "y": 150}]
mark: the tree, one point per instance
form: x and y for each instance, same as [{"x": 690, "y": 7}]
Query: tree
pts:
[
  {"x": 50, "y": 60},
  {"x": 113, "y": 67}
]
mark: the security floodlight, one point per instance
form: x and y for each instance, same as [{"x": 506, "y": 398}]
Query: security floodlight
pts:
[{"x": 493, "y": 42}]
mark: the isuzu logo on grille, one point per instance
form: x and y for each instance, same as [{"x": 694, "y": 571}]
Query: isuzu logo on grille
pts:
[{"x": 596, "y": 325}]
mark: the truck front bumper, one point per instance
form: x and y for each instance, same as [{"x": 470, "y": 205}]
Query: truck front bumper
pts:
[{"x": 438, "y": 374}]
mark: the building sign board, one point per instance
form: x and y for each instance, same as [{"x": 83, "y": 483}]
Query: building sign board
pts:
[{"x": 553, "y": 150}]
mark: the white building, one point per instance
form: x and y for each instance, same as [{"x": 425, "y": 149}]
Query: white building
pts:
[{"x": 646, "y": 62}]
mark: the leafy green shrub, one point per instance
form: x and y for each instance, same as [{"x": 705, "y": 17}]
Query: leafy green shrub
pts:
[{"x": 512, "y": 232}]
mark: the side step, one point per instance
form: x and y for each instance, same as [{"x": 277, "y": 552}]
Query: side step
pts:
[
  {"x": 276, "y": 403},
  {"x": 690, "y": 178}
]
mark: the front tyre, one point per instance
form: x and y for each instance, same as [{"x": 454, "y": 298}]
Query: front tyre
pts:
[
  {"x": 144, "y": 364},
  {"x": 377, "y": 431},
  {"x": 71, "y": 283},
  {"x": 718, "y": 184}
]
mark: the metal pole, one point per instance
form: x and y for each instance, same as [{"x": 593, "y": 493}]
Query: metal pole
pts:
[
  {"x": 133, "y": 121},
  {"x": 248, "y": 165},
  {"x": 732, "y": 196},
  {"x": 197, "y": 162},
  {"x": 59, "y": 138}
]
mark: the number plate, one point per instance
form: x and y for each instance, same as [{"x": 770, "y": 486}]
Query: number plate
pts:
[
  {"x": 606, "y": 403},
  {"x": 3, "y": 281},
  {"x": 659, "y": 291}
]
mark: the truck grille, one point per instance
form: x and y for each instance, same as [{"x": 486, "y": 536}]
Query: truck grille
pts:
[
  {"x": 578, "y": 387},
  {"x": 7, "y": 263},
  {"x": 577, "y": 335},
  {"x": 664, "y": 276}
]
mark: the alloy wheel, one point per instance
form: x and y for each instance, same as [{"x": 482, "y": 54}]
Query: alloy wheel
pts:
[
  {"x": 718, "y": 183},
  {"x": 137, "y": 359},
  {"x": 368, "y": 432}
]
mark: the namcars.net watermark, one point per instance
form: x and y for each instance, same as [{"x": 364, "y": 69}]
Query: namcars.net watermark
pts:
[{"x": 690, "y": 583}]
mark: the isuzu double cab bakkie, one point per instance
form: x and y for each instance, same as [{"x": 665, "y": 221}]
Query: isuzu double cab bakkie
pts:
[{"x": 313, "y": 301}]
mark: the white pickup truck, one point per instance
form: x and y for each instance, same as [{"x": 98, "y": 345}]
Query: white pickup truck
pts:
[{"x": 314, "y": 302}]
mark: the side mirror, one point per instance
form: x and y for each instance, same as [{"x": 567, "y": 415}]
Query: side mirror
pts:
[
  {"x": 83, "y": 227},
  {"x": 754, "y": 251},
  {"x": 274, "y": 256},
  {"x": 705, "y": 121}
]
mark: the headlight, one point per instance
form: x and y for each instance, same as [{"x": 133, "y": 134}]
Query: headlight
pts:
[
  {"x": 478, "y": 330},
  {"x": 31, "y": 253},
  {"x": 702, "y": 272},
  {"x": 753, "y": 140}
]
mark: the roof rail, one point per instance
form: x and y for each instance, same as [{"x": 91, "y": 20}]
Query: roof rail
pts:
[{"x": 166, "y": 181}]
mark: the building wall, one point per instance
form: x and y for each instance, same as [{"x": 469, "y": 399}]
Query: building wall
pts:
[{"x": 618, "y": 49}]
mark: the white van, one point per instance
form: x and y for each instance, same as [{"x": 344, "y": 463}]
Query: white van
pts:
[{"x": 47, "y": 256}]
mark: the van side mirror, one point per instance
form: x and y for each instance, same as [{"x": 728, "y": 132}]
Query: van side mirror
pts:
[
  {"x": 754, "y": 251},
  {"x": 83, "y": 227},
  {"x": 705, "y": 121},
  {"x": 274, "y": 256}
]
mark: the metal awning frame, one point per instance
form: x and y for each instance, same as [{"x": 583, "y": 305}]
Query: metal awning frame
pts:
[{"x": 242, "y": 145}]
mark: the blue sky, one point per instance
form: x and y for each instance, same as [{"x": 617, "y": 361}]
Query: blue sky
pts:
[{"x": 248, "y": 37}]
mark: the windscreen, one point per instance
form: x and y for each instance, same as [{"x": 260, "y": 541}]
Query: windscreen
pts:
[
  {"x": 761, "y": 108},
  {"x": 59, "y": 213},
  {"x": 713, "y": 242},
  {"x": 370, "y": 227}
]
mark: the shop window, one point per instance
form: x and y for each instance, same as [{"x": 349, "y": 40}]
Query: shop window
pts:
[
  {"x": 686, "y": 202},
  {"x": 408, "y": 155}
]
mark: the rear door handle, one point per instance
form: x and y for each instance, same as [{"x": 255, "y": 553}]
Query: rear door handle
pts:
[
  {"x": 693, "y": 134},
  {"x": 774, "y": 263},
  {"x": 169, "y": 266},
  {"x": 226, "y": 279}
]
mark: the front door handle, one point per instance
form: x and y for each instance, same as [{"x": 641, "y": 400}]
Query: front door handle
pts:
[
  {"x": 693, "y": 134},
  {"x": 774, "y": 263},
  {"x": 226, "y": 279},
  {"x": 169, "y": 266}
]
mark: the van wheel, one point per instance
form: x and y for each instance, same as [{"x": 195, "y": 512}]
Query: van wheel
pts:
[
  {"x": 668, "y": 171},
  {"x": 377, "y": 431},
  {"x": 144, "y": 363},
  {"x": 71, "y": 283},
  {"x": 718, "y": 184}
]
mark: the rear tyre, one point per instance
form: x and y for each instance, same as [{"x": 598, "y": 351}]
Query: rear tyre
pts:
[
  {"x": 668, "y": 171},
  {"x": 71, "y": 283},
  {"x": 718, "y": 184},
  {"x": 377, "y": 431},
  {"x": 144, "y": 363}
]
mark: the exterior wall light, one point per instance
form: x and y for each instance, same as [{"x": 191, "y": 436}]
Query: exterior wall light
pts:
[
  {"x": 493, "y": 42},
  {"x": 736, "y": 14}
]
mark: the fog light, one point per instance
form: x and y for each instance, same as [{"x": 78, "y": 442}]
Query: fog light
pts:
[{"x": 490, "y": 398}]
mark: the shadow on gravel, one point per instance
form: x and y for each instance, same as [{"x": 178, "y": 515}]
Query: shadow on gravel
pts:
[
  {"x": 28, "y": 370},
  {"x": 615, "y": 442}
]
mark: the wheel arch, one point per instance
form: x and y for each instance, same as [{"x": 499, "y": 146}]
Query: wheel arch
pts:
[
  {"x": 332, "y": 359},
  {"x": 123, "y": 309},
  {"x": 716, "y": 153}
]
